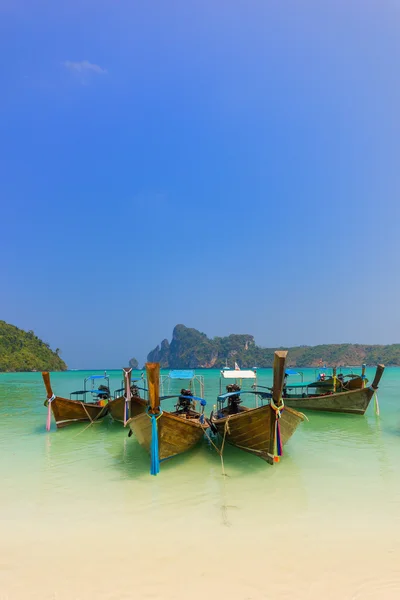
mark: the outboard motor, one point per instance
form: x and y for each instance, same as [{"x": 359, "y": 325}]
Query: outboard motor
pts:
[
  {"x": 104, "y": 393},
  {"x": 135, "y": 390},
  {"x": 233, "y": 401},
  {"x": 184, "y": 404}
]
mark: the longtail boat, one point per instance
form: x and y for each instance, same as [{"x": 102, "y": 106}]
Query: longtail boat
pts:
[
  {"x": 263, "y": 430},
  {"x": 91, "y": 404},
  {"x": 166, "y": 434},
  {"x": 127, "y": 402},
  {"x": 323, "y": 384},
  {"x": 310, "y": 396}
]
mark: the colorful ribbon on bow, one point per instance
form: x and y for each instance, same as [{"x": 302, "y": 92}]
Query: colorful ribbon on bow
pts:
[
  {"x": 48, "y": 420},
  {"x": 277, "y": 429}
]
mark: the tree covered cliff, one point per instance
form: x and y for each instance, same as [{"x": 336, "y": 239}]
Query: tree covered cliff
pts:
[
  {"x": 24, "y": 351},
  {"x": 190, "y": 348}
]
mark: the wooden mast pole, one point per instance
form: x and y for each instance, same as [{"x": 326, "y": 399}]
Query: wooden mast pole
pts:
[
  {"x": 279, "y": 374},
  {"x": 153, "y": 384},
  {"x": 47, "y": 384},
  {"x": 154, "y": 412},
  {"x": 277, "y": 387}
]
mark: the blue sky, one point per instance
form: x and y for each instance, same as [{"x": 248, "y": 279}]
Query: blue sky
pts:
[{"x": 233, "y": 166}]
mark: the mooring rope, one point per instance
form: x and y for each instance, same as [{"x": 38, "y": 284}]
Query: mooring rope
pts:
[{"x": 90, "y": 419}]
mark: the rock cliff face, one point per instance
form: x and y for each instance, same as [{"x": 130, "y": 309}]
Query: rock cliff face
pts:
[
  {"x": 133, "y": 363},
  {"x": 191, "y": 349}
]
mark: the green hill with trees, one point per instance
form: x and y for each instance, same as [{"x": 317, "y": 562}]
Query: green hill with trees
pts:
[
  {"x": 24, "y": 351},
  {"x": 190, "y": 348}
]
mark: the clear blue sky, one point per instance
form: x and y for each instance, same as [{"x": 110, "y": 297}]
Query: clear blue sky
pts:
[{"x": 230, "y": 165}]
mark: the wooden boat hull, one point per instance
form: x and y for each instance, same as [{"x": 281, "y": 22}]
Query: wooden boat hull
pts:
[
  {"x": 355, "y": 383},
  {"x": 66, "y": 412},
  {"x": 252, "y": 429},
  {"x": 116, "y": 407},
  {"x": 354, "y": 402},
  {"x": 175, "y": 434}
]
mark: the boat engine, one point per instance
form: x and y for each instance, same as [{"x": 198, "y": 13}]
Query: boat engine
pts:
[
  {"x": 233, "y": 401},
  {"x": 104, "y": 393},
  {"x": 135, "y": 390},
  {"x": 184, "y": 404}
]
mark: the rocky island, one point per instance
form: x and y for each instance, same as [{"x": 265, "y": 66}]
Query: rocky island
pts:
[{"x": 191, "y": 349}]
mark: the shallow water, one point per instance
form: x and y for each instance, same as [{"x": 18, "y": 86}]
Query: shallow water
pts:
[{"x": 82, "y": 518}]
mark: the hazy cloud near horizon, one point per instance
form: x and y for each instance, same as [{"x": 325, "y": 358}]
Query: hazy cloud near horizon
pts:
[{"x": 84, "y": 66}]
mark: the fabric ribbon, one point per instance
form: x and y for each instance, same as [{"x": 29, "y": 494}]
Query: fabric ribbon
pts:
[
  {"x": 376, "y": 403},
  {"x": 128, "y": 396},
  {"x": 48, "y": 420},
  {"x": 277, "y": 429},
  {"x": 154, "y": 452}
]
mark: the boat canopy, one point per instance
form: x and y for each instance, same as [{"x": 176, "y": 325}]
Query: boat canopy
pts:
[
  {"x": 239, "y": 374},
  {"x": 302, "y": 384},
  {"x": 178, "y": 374},
  {"x": 292, "y": 372},
  {"x": 169, "y": 382}
]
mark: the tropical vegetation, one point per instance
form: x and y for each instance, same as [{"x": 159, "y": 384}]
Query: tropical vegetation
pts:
[{"x": 23, "y": 351}]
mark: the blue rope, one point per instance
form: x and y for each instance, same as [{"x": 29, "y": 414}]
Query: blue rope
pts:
[{"x": 155, "y": 459}]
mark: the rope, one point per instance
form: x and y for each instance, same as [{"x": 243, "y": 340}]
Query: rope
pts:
[
  {"x": 89, "y": 417},
  {"x": 91, "y": 420},
  {"x": 209, "y": 438},
  {"x": 218, "y": 450}
]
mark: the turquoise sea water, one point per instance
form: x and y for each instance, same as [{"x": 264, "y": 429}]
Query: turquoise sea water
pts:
[{"x": 82, "y": 518}]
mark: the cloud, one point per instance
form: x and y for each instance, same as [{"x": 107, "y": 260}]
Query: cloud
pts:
[{"x": 84, "y": 66}]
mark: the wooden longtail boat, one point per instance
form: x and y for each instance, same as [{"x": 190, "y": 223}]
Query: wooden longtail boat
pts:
[
  {"x": 354, "y": 401},
  {"x": 67, "y": 411},
  {"x": 323, "y": 384},
  {"x": 166, "y": 434},
  {"x": 261, "y": 431},
  {"x": 129, "y": 404}
]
